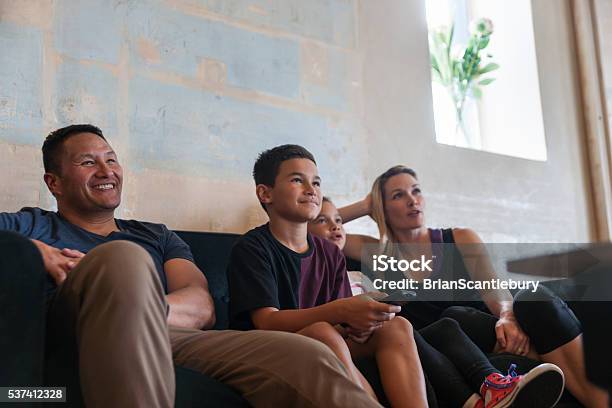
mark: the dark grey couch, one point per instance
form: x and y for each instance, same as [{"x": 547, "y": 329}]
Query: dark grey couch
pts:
[
  {"x": 22, "y": 355},
  {"x": 22, "y": 333}
]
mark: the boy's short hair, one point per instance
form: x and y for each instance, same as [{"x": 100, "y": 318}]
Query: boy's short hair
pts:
[
  {"x": 54, "y": 142},
  {"x": 268, "y": 162}
]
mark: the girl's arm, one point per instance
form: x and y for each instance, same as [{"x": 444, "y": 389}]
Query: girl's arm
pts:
[{"x": 356, "y": 210}]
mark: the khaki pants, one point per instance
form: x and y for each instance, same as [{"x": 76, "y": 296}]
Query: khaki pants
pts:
[{"x": 112, "y": 307}]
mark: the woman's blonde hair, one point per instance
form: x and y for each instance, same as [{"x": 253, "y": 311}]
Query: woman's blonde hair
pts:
[{"x": 378, "y": 202}]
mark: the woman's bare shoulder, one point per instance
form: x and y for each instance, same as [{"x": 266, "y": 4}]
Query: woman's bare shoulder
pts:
[{"x": 466, "y": 236}]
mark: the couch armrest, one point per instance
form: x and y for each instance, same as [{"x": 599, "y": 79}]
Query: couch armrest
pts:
[{"x": 22, "y": 311}]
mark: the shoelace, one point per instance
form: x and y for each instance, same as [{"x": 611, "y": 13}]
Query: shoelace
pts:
[
  {"x": 503, "y": 382},
  {"x": 512, "y": 371}
]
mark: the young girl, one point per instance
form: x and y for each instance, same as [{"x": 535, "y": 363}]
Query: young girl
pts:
[{"x": 328, "y": 225}]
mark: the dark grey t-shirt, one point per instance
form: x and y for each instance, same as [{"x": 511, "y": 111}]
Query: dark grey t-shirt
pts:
[
  {"x": 262, "y": 272},
  {"x": 50, "y": 228}
]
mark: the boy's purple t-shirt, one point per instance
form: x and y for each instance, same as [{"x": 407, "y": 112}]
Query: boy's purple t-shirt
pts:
[
  {"x": 323, "y": 275},
  {"x": 262, "y": 272}
]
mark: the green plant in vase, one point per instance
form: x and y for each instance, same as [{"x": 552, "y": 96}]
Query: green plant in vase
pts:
[{"x": 460, "y": 70}]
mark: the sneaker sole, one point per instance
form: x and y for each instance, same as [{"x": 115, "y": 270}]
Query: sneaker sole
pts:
[{"x": 540, "y": 388}]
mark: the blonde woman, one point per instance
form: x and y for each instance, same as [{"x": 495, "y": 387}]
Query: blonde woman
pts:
[{"x": 494, "y": 321}]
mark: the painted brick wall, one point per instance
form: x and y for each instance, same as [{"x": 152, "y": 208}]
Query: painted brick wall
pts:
[{"x": 189, "y": 91}]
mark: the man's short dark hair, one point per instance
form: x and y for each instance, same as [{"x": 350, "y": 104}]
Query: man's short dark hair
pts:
[
  {"x": 267, "y": 164},
  {"x": 54, "y": 142}
]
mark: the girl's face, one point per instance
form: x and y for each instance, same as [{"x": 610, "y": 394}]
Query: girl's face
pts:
[
  {"x": 328, "y": 225},
  {"x": 404, "y": 203}
]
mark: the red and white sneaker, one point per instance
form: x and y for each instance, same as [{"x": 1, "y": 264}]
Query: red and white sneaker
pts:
[{"x": 541, "y": 387}]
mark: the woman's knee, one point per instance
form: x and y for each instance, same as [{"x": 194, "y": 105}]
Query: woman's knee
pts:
[{"x": 533, "y": 306}]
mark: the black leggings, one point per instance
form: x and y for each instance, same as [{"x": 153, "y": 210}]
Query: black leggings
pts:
[
  {"x": 478, "y": 325},
  {"x": 546, "y": 319},
  {"x": 454, "y": 365}
]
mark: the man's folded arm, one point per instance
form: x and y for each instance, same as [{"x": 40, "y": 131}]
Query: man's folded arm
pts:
[{"x": 191, "y": 305}]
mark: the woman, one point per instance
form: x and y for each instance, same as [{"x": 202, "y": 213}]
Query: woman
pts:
[
  {"x": 396, "y": 204},
  {"x": 455, "y": 368}
]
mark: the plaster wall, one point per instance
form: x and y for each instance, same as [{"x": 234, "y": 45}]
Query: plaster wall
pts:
[{"x": 189, "y": 91}]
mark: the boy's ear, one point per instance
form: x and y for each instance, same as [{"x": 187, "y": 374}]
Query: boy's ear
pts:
[
  {"x": 53, "y": 183},
  {"x": 264, "y": 193}
]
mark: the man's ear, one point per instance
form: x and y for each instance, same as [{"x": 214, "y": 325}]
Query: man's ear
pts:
[
  {"x": 264, "y": 193},
  {"x": 53, "y": 183}
]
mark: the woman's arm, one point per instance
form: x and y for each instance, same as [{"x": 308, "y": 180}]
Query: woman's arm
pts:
[
  {"x": 480, "y": 268},
  {"x": 510, "y": 336},
  {"x": 355, "y": 245}
]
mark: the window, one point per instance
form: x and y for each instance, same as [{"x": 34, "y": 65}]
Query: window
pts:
[{"x": 507, "y": 118}]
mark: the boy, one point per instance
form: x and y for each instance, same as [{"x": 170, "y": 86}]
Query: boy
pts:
[{"x": 282, "y": 278}]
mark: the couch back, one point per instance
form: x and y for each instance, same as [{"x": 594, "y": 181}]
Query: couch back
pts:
[{"x": 211, "y": 252}]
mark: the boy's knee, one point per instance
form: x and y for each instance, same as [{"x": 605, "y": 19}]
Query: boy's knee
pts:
[
  {"x": 323, "y": 332},
  {"x": 399, "y": 325}
]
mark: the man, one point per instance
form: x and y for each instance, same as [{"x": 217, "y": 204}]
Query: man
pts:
[{"x": 132, "y": 301}]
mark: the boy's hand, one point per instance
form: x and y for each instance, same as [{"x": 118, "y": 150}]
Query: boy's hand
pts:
[{"x": 363, "y": 313}]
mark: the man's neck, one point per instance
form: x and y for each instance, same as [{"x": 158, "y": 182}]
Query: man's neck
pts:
[
  {"x": 100, "y": 223},
  {"x": 293, "y": 235}
]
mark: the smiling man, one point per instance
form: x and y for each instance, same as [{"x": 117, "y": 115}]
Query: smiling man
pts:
[{"x": 127, "y": 301}]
